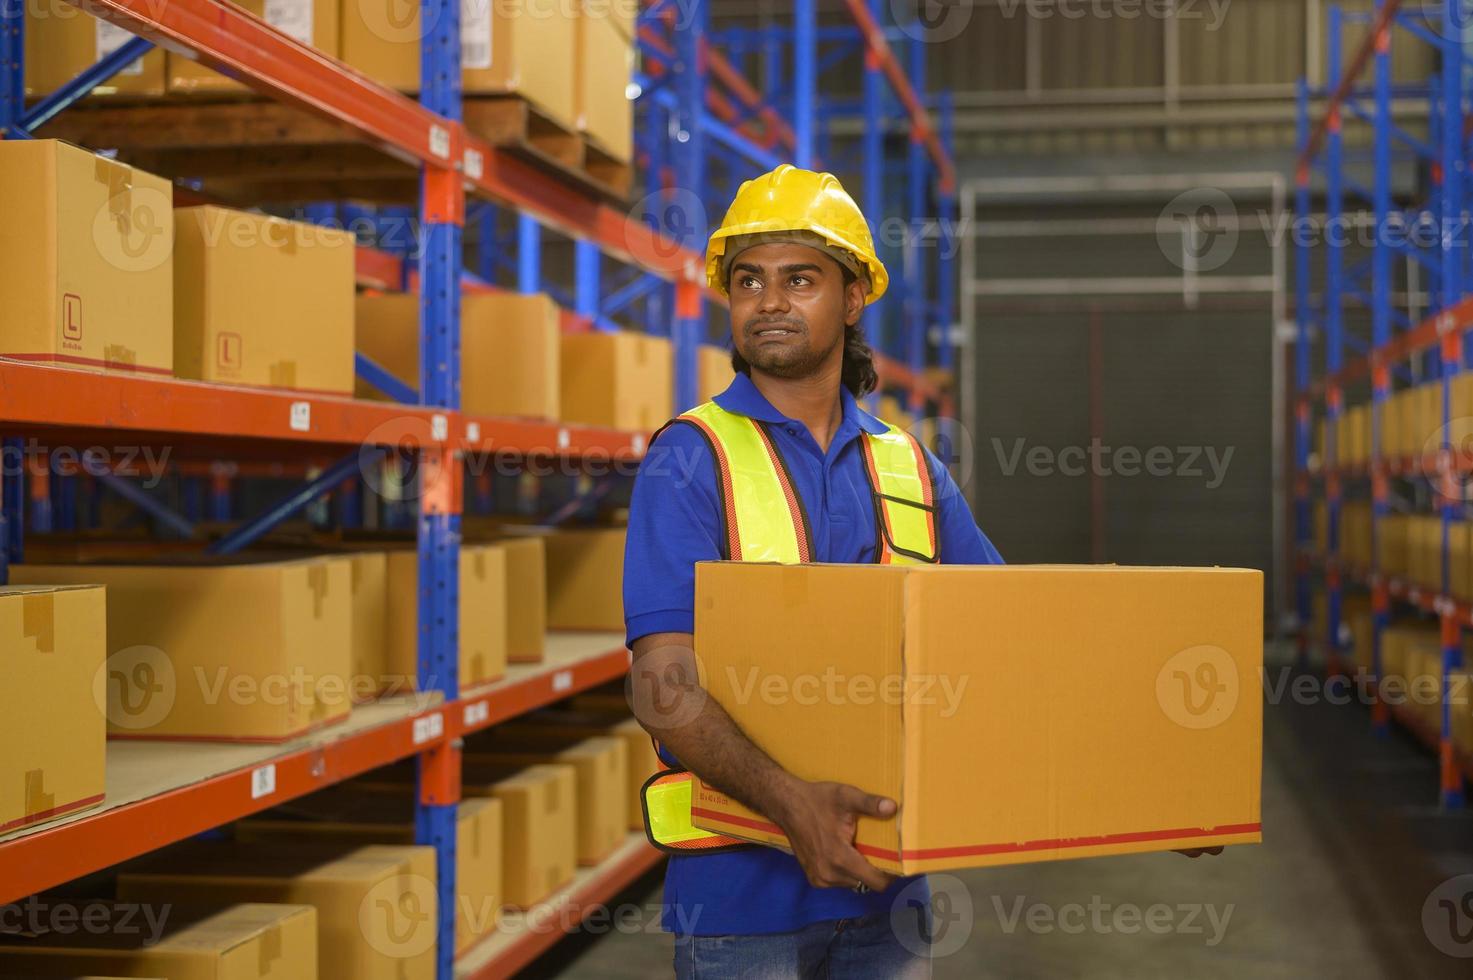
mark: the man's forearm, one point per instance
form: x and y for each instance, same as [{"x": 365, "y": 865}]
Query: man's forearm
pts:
[{"x": 698, "y": 730}]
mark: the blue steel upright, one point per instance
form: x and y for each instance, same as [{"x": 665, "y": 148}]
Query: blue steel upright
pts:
[
  {"x": 689, "y": 153},
  {"x": 1382, "y": 258},
  {"x": 1333, "y": 322}
]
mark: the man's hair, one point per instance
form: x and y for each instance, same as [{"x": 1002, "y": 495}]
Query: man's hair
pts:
[{"x": 858, "y": 373}]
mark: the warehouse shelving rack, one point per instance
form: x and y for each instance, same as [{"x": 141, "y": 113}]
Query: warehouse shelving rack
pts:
[
  {"x": 180, "y": 796},
  {"x": 1400, "y": 334}
]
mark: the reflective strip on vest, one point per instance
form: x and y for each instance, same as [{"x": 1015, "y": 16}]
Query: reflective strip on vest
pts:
[
  {"x": 907, "y": 516},
  {"x": 667, "y": 822}
]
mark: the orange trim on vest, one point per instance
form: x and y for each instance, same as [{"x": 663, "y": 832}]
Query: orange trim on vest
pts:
[{"x": 734, "y": 541}]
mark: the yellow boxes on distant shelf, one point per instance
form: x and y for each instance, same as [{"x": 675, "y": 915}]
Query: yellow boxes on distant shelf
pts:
[
  {"x": 1392, "y": 535},
  {"x": 601, "y": 767},
  {"x": 509, "y": 350},
  {"x": 1036, "y": 713},
  {"x": 51, "y": 725},
  {"x": 375, "y": 904},
  {"x": 352, "y": 814},
  {"x": 713, "y": 372},
  {"x": 526, "y": 598},
  {"x": 539, "y": 806},
  {"x": 311, "y": 22},
  {"x": 251, "y": 652},
  {"x": 602, "y": 64},
  {"x": 263, "y": 301},
  {"x": 86, "y": 260},
  {"x": 506, "y": 47},
  {"x": 175, "y": 940},
  {"x": 482, "y": 620},
  {"x": 62, "y": 40},
  {"x": 533, "y": 732},
  {"x": 617, "y": 379},
  {"x": 585, "y": 579}
]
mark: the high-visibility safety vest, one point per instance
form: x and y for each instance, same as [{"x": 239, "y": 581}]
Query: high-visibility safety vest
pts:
[{"x": 763, "y": 519}]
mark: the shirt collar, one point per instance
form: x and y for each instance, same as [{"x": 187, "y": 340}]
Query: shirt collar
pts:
[{"x": 742, "y": 398}]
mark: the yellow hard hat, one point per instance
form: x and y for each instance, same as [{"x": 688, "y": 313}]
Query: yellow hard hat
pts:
[{"x": 790, "y": 199}]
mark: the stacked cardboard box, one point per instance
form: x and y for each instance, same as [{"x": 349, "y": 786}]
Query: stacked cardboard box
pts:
[
  {"x": 86, "y": 261},
  {"x": 603, "y": 61},
  {"x": 1355, "y": 532},
  {"x": 585, "y": 579},
  {"x": 50, "y": 723},
  {"x": 713, "y": 372},
  {"x": 249, "y": 652},
  {"x": 482, "y": 620},
  {"x": 509, "y": 350},
  {"x": 311, "y": 22},
  {"x": 351, "y": 814},
  {"x": 376, "y": 909},
  {"x": 619, "y": 380},
  {"x": 297, "y": 334},
  {"x": 175, "y": 940},
  {"x": 1393, "y": 534},
  {"x": 62, "y": 40}
]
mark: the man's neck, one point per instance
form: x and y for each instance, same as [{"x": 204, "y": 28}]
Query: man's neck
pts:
[{"x": 813, "y": 400}]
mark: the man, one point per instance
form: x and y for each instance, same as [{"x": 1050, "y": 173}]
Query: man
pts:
[{"x": 795, "y": 257}]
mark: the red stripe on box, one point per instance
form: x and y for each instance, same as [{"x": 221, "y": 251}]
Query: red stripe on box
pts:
[
  {"x": 55, "y": 811},
  {"x": 120, "y": 366}
]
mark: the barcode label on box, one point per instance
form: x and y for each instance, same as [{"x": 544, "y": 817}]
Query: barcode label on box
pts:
[
  {"x": 562, "y": 681},
  {"x": 292, "y": 18},
  {"x": 428, "y": 727},
  {"x": 475, "y": 33},
  {"x": 110, "y": 37},
  {"x": 301, "y": 418},
  {"x": 477, "y": 714},
  {"x": 263, "y": 781}
]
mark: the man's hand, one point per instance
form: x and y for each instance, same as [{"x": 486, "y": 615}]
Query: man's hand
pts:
[
  {"x": 820, "y": 820},
  {"x": 1196, "y": 852}
]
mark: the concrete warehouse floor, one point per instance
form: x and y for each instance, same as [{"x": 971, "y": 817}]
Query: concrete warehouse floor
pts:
[{"x": 1353, "y": 847}]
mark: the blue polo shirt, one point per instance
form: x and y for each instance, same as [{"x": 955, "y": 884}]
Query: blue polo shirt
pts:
[{"x": 674, "y": 522}]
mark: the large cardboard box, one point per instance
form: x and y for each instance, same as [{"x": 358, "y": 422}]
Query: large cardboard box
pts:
[
  {"x": 585, "y": 579},
  {"x": 228, "y": 327},
  {"x": 182, "y": 942},
  {"x": 601, "y": 71},
  {"x": 506, "y": 47},
  {"x": 53, "y": 730},
  {"x": 250, "y": 652},
  {"x": 62, "y": 40},
  {"x": 369, "y": 579},
  {"x": 482, "y": 620},
  {"x": 351, "y": 814},
  {"x": 601, "y": 765},
  {"x": 526, "y": 598},
  {"x": 713, "y": 372},
  {"x": 539, "y": 821},
  {"x": 1459, "y": 556},
  {"x": 312, "y": 22},
  {"x": 86, "y": 260},
  {"x": 617, "y": 379},
  {"x": 376, "y": 910},
  {"x": 508, "y": 350},
  {"x": 1014, "y": 713},
  {"x": 558, "y": 729}
]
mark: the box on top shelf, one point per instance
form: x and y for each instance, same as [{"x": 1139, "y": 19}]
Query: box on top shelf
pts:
[
  {"x": 1015, "y": 713},
  {"x": 86, "y": 260},
  {"x": 505, "y": 48},
  {"x": 240, "y": 652},
  {"x": 51, "y": 725},
  {"x": 618, "y": 380},
  {"x": 508, "y": 350},
  {"x": 482, "y": 619},
  {"x": 602, "y": 65},
  {"x": 376, "y": 903},
  {"x": 311, "y": 22},
  {"x": 263, "y": 301},
  {"x": 713, "y": 372},
  {"x": 62, "y": 40},
  {"x": 176, "y": 940},
  {"x": 349, "y": 814}
]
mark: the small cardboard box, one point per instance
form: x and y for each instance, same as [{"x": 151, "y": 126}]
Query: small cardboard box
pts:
[
  {"x": 585, "y": 579},
  {"x": 62, "y": 40},
  {"x": 205, "y": 942},
  {"x": 351, "y": 814},
  {"x": 508, "y": 350},
  {"x": 1014, "y": 713},
  {"x": 713, "y": 372},
  {"x": 601, "y": 765},
  {"x": 250, "y": 652},
  {"x": 86, "y": 261},
  {"x": 311, "y": 22},
  {"x": 296, "y": 334},
  {"x": 52, "y": 728},
  {"x": 505, "y": 48},
  {"x": 482, "y": 616},
  {"x": 566, "y": 728},
  {"x": 618, "y": 380},
  {"x": 601, "y": 71},
  {"x": 539, "y": 807},
  {"x": 526, "y": 598},
  {"x": 376, "y": 903},
  {"x": 369, "y": 579}
]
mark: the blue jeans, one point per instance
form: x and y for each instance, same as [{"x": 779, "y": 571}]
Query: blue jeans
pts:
[{"x": 879, "y": 946}]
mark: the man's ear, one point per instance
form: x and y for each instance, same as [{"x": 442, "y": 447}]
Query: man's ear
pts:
[{"x": 854, "y": 295}]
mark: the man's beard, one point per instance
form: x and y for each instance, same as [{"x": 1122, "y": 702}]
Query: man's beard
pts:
[{"x": 791, "y": 360}]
